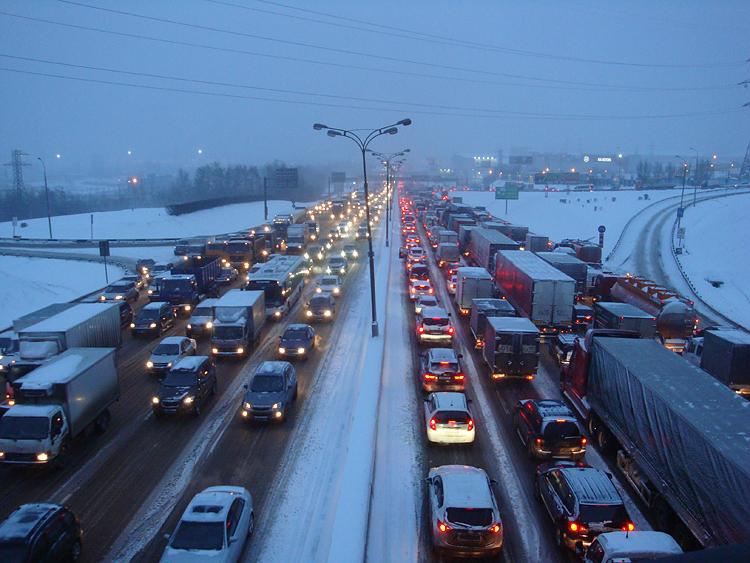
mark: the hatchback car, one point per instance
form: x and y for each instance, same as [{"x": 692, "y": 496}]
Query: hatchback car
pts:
[
  {"x": 416, "y": 255},
  {"x": 418, "y": 272},
  {"x": 631, "y": 546},
  {"x": 168, "y": 352},
  {"x": 418, "y": 288},
  {"x": 186, "y": 387},
  {"x": 227, "y": 276},
  {"x": 201, "y": 321},
  {"x": 548, "y": 429},
  {"x": 329, "y": 284},
  {"x": 581, "y": 501},
  {"x": 464, "y": 517},
  {"x": 153, "y": 319},
  {"x": 424, "y": 301},
  {"x": 214, "y": 527},
  {"x": 321, "y": 307},
  {"x": 350, "y": 251},
  {"x": 434, "y": 326},
  {"x": 440, "y": 370},
  {"x": 448, "y": 419},
  {"x": 336, "y": 265},
  {"x": 297, "y": 341},
  {"x": 270, "y": 391},
  {"x": 119, "y": 291},
  {"x": 40, "y": 532}
]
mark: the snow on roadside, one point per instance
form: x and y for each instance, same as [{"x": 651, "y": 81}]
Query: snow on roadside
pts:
[
  {"x": 29, "y": 284},
  {"x": 157, "y": 253}
]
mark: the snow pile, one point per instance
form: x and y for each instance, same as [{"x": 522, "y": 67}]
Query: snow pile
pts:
[
  {"x": 150, "y": 222},
  {"x": 560, "y": 215},
  {"x": 32, "y": 283}
]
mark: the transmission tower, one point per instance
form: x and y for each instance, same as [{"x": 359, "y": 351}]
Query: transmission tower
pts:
[
  {"x": 17, "y": 164},
  {"x": 745, "y": 170}
]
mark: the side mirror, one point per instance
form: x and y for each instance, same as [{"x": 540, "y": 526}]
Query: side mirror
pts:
[
  {"x": 245, "y": 386},
  {"x": 494, "y": 482},
  {"x": 459, "y": 356}
]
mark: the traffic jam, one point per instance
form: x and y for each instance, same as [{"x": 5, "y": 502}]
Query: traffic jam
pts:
[{"x": 477, "y": 289}]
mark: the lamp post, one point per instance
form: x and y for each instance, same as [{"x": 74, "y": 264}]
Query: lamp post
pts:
[
  {"x": 386, "y": 159},
  {"x": 363, "y": 142},
  {"x": 46, "y": 194},
  {"x": 695, "y": 183},
  {"x": 681, "y": 210}
]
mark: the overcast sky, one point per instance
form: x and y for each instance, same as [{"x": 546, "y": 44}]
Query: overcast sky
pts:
[{"x": 454, "y": 67}]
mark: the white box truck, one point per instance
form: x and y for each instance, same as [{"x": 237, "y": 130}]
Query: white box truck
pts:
[
  {"x": 472, "y": 283},
  {"x": 238, "y": 318}
]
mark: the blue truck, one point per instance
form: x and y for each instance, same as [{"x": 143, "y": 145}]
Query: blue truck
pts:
[{"x": 188, "y": 281}]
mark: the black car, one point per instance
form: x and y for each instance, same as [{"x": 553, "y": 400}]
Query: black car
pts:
[
  {"x": 270, "y": 391},
  {"x": 155, "y": 318},
  {"x": 581, "y": 501},
  {"x": 126, "y": 313},
  {"x": 549, "y": 430},
  {"x": 40, "y": 532},
  {"x": 322, "y": 307},
  {"x": 297, "y": 341},
  {"x": 186, "y": 387}
]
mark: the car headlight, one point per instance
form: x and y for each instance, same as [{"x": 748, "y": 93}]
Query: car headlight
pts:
[
  {"x": 276, "y": 406},
  {"x": 214, "y": 350},
  {"x": 102, "y": 298},
  {"x": 188, "y": 400},
  {"x": 318, "y": 290},
  {"x": 43, "y": 456},
  {"x": 342, "y": 270},
  {"x": 118, "y": 297},
  {"x": 132, "y": 325},
  {"x": 209, "y": 324},
  {"x": 149, "y": 364},
  {"x": 320, "y": 255},
  {"x": 150, "y": 291},
  {"x": 282, "y": 350},
  {"x": 306, "y": 256},
  {"x": 309, "y": 313},
  {"x": 300, "y": 350},
  {"x": 188, "y": 307},
  {"x": 248, "y": 406},
  {"x": 336, "y": 290},
  {"x": 355, "y": 253},
  {"x": 154, "y": 400},
  {"x": 246, "y": 265},
  {"x": 189, "y": 326},
  {"x": 169, "y": 364},
  {"x": 343, "y": 254},
  {"x": 327, "y": 313},
  {"x": 277, "y": 314},
  {"x": 152, "y": 325},
  {"x": 240, "y": 350}
]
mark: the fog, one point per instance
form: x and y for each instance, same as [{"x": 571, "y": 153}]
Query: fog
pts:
[{"x": 639, "y": 76}]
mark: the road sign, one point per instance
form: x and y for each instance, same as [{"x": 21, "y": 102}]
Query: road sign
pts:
[
  {"x": 285, "y": 179},
  {"x": 680, "y": 212},
  {"x": 104, "y": 248},
  {"x": 602, "y": 229},
  {"x": 506, "y": 192},
  {"x": 681, "y": 232}
]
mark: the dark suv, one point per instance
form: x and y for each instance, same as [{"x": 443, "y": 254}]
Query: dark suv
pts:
[
  {"x": 549, "y": 430},
  {"x": 40, "y": 532},
  {"x": 270, "y": 391},
  {"x": 440, "y": 370},
  {"x": 581, "y": 501},
  {"x": 185, "y": 388},
  {"x": 155, "y": 318}
]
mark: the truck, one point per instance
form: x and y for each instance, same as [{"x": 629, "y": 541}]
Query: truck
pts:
[
  {"x": 726, "y": 356},
  {"x": 483, "y": 308},
  {"x": 444, "y": 236},
  {"x": 239, "y": 316},
  {"x": 537, "y": 243},
  {"x": 679, "y": 439},
  {"x": 485, "y": 244},
  {"x": 513, "y": 232},
  {"x": 188, "y": 281},
  {"x": 472, "y": 283},
  {"x": 240, "y": 253},
  {"x": 447, "y": 253},
  {"x": 537, "y": 290},
  {"x": 296, "y": 239},
  {"x": 624, "y": 316},
  {"x": 280, "y": 225},
  {"x": 511, "y": 348},
  {"x": 56, "y": 403},
  {"x": 570, "y": 265}
]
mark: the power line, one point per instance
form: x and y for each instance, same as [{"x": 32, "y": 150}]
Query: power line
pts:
[
  {"x": 352, "y": 66},
  {"x": 394, "y": 31},
  {"x": 336, "y": 50},
  {"x": 368, "y": 108}
]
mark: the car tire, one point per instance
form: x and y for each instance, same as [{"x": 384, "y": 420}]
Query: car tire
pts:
[
  {"x": 102, "y": 423},
  {"x": 75, "y": 551}
]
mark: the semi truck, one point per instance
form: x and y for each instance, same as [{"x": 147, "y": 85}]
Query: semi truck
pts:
[
  {"x": 570, "y": 265},
  {"x": 537, "y": 243},
  {"x": 56, "y": 403},
  {"x": 481, "y": 309},
  {"x": 725, "y": 354},
  {"x": 238, "y": 318},
  {"x": 472, "y": 283},
  {"x": 624, "y": 316},
  {"x": 679, "y": 438},
  {"x": 447, "y": 253},
  {"x": 537, "y": 290},
  {"x": 485, "y": 244},
  {"x": 511, "y": 348}
]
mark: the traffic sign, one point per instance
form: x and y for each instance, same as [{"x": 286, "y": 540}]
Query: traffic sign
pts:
[
  {"x": 103, "y": 248},
  {"x": 506, "y": 192}
]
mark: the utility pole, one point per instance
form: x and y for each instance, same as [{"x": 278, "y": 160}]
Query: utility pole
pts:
[
  {"x": 265, "y": 198},
  {"x": 46, "y": 193},
  {"x": 17, "y": 164}
]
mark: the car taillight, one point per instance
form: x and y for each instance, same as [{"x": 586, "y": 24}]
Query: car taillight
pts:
[
  {"x": 471, "y": 424},
  {"x": 433, "y": 424},
  {"x": 495, "y": 529},
  {"x": 413, "y": 290},
  {"x": 458, "y": 376},
  {"x": 430, "y": 376},
  {"x": 584, "y": 441},
  {"x": 429, "y": 291},
  {"x": 576, "y": 528},
  {"x": 629, "y": 527},
  {"x": 420, "y": 329},
  {"x": 443, "y": 527},
  {"x": 450, "y": 330},
  {"x": 539, "y": 441}
]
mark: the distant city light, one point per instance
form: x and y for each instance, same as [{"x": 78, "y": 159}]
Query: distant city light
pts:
[
  {"x": 715, "y": 156},
  {"x": 58, "y": 155},
  {"x": 133, "y": 180},
  {"x": 200, "y": 151},
  {"x": 130, "y": 152}
]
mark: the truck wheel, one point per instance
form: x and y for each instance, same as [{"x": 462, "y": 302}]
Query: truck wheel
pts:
[
  {"x": 604, "y": 440},
  {"x": 75, "y": 551},
  {"x": 103, "y": 421},
  {"x": 593, "y": 427}
]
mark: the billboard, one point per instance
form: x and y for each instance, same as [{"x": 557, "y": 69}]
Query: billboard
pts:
[{"x": 285, "y": 179}]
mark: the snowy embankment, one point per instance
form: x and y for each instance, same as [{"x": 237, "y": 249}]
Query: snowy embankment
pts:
[
  {"x": 715, "y": 254},
  {"x": 560, "y": 215},
  {"x": 29, "y": 284},
  {"x": 150, "y": 222}
]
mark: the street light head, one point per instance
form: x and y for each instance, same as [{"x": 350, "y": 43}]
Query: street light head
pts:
[
  {"x": 392, "y": 130},
  {"x": 319, "y": 126},
  {"x": 406, "y": 150},
  {"x": 332, "y": 133},
  {"x": 404, "y": 122}
]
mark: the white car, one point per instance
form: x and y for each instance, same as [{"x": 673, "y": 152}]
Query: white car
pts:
[
  {"x": 214, "y": 527},
  {"x": 627, "y": 546},
  {"x": 425, "y": 301},
  {"x": 418, "y": 288},
  {"x": 448, "y": 419},
  {"x": 329, "y": 284},
  {"x": 170, "y": 351}
]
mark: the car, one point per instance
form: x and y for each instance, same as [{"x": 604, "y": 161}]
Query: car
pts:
[
  {"x": 270, "y": 391},
  {"x": 315, "y": 253},
  {"x": 336, "y": 265},
  {"x": 448, "y": 419},
  {"x": 548, "y": 429},
  {"x": 350, "y": 251},
  {"x": 451, "y": 285},
  {"x": 201, "y": 321},
  {"x": 582, "y": 316},
  {"x": 144, "y": 266},
  {"x": 440, "y": 370},
  {"x": 119, "y": 290},
  {"x": 342, "y": 228},
  {"x": 434, "y": 326},
  {"x": 416, "y": 255},
  {"x": 138, "y": 280},
  {"x": 321, "y": 307},
  {"x": 464, "y": 518},
  {"x": 333, "y": 234},
  {"x": 227, "y": 276},
  {"x": 418, "y": 272},
  {"x": 562, "y": 348},
  {"x": 419, "y": 287},
  {"x": 186, "y": 387},
  {"x": 126, "y": 313},
  {"x": 153, "y": 319},
  {"x": 362, "y": 232},
  {"x": 424, "y": 301},
  {"x": 297, "y": 341},
  {"x": 581, "y": 501},
  {"x": 40, "y": 532},
  {"x": 168, "y": 352},
  {"x": 631, "y": 546},
  {"x": 329, "y": 284},
  {"x": 214, "y": 527}
]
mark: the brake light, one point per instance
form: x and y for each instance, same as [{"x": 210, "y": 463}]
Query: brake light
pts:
[
  {"x": 539, "y": 441},
  {"x": 420, "y": 329},
  {"x": 584, "y": 441},
  {"x": 576, "y": 528},
  {"x": 458, "y": 376},
  {"x": 450, "y": 330},
  {"x": 413, "y": 290},
  {"x": 471, "y": 424},
  {"x": 429, "y": 291},
  {"x": 495, "y": 529},
  {"x": 443, "y": 527},
  {"x": 629, "y": 527},
  {"x": 429, "y": 376},
  {"x": 433, "y": 424}
]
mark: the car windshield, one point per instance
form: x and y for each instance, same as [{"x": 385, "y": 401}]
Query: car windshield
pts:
[
  {"x": 238, "y": 247},
  {"x": 13, "y": 551},
  {"x": 166, "y": 350},
  {"x": 319, "y": 302},
  {"x": 24, "y": 427},
  {"x": 228, "y": 332},
  {"x": 328, "y": 281},
  {"x": 148, "y": 314},
  {"x": 180, "y": 378},
  {"x": 558, "y": 431},
  {"x": 446, "y": 417},
  {"x": 203, "y": 312},
  {"x": 199, "y": 535},
  {"x": 295, "y": 334},
  {"x": 611, "y": 515},
  {"x": 470, "y": 516},
  {"x": 267, "y": 384},
  {"x": 435, "y": 321}
]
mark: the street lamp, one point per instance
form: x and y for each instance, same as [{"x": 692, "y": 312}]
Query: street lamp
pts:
[
  {"x": 681, "y": 210},
  {"x": 363, "y": 143},
  {"x": 46, "y": 193},
  {"x": 386, "y": 160},
  {"x": 695, "y": 182}
]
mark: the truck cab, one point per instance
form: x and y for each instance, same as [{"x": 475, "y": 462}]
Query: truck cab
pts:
[
  {"x": 180, "y": 290},
  {"x": 231, "y": 336}
]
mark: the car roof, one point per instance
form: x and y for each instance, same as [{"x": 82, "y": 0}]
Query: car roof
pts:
[
  {"x": 271, "y": 367},
  {"x": 464, "y": 486},
  {"x": 442, "y": 354},
  {"x": 427, "y": 298},
  {"x": 552, "y": 408},
  {"x": 434, "y": 312},
  {"x": 173, "y": 339},
  {"x": 191, "y": 363},
  {"x": 642, "y": 543},
  {"x": 25, "y": 519},
  {"x": 450, "y": 400},
  {"x": 591, "y": 486},
  {"x": 154, "y": 305},
  {"x": 297, "y": 326},
  {"x": 420, "y": 282},
  {"x": 211, "y": 505}
]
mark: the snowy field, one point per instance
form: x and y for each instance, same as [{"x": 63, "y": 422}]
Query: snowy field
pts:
[
  {"x": 716, "y": 234},
  {"x": 29, "y": 284},
  {"x": 151, "y": 222},
  {"x": 561, "y": 215}
]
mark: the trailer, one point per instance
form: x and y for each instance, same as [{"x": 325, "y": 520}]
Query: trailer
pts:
[
  {"x": 511, "y": 348},
  {"x": 536, "y": 289},
  {"x": 481, "y": 309},
  {"x": 239, "y": 316},
  {"x": 537, "y": 243},
  {"x": 472, "y": 283},
  {"x": 726, "y": 356},
  {"x": 485, "y": 244},
  {"x": 679, "y": 438},
  {"x": 447, "y": 253},
  {"x": 570, "y": 265},
  {"x": 624, "y": 316}
]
